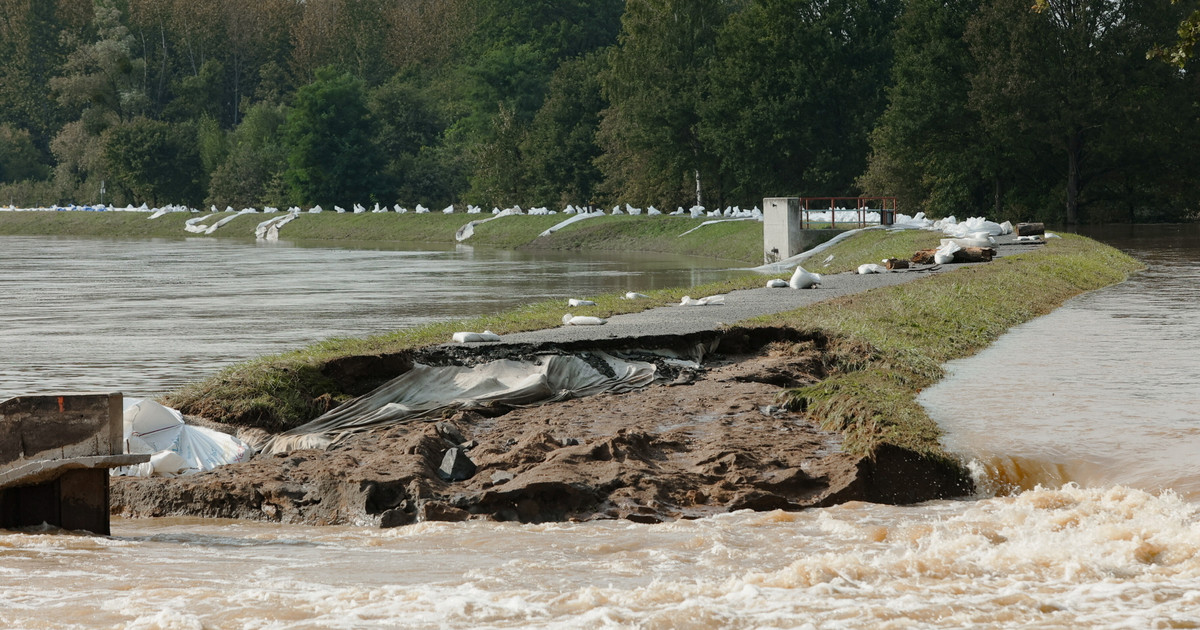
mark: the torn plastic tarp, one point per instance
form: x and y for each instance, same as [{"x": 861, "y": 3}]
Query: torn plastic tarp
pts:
[
  {"x": 177, "y": 448},
  {"x": 426, "y": 391}
]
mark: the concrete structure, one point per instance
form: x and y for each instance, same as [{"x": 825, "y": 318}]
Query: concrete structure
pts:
[
  {"x": 55, "y": 452},
  {"x": 784, "y": 231}
]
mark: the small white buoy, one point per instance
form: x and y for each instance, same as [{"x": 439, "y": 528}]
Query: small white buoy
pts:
[
  {"x": 582, "y": 320},
  {"x": 575, "y": 302}
]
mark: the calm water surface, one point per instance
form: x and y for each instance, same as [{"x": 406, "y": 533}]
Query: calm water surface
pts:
[
  {"x": 145, "y": 316},
  {"x": 1095, "y": 402}
]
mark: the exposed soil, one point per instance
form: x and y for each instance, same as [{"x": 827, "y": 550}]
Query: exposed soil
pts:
[{"x": 700, "y": 442}]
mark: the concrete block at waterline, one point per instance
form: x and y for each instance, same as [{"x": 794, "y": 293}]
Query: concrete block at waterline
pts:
[
  {"x": 55, "y": 452},
  {"x": 56, "y": 427}
]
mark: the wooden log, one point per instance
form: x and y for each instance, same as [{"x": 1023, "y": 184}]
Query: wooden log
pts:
[
  {"x": 895, "y": 263},
  {"x": 964, "y": 255},
  {"x": 924, "y": 257},
  {"x": 1029, "y": 229}
]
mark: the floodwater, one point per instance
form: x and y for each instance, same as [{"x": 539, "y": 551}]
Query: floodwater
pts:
[
  {"x": 145, "y": 316},
  {"x": 1097, "y": 392}
]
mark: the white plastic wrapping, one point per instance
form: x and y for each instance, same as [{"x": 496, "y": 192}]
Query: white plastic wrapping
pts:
[{"x": 176, "y": 447}]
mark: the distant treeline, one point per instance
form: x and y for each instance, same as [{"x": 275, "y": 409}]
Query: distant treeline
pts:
[{"x": 961, "y": 107}]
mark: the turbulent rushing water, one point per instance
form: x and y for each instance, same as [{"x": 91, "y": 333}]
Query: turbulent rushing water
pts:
[{"x": 1096, "y": 402}]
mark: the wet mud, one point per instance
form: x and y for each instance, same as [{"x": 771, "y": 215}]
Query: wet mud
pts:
[{"x": 699, "y": 441}]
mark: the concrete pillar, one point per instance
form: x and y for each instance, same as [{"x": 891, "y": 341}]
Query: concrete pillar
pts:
[{"x": 782, "y": 233}]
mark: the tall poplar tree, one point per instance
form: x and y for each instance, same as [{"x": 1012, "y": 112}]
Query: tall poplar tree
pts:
[{"x": 655, "y": 83}]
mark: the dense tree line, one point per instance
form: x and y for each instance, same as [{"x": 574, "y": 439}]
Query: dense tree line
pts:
[{"x": 955, "y": 106}]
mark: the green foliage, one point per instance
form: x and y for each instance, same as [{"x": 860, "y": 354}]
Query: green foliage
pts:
[
  {"x": 156, "y": 161},
  {"x": 655, "y": 83},
  {"x": 330, "y": 138},
  {"x": 560, "y": 148},
  {"x": 19, "y": 159},
  {"x": 992, "y": 108},
  {"x": 250, "y": 173},
  {"x": 813, "y": 74}
]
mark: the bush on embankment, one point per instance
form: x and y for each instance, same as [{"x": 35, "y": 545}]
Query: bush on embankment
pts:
[{"x": 891, "y": 343}]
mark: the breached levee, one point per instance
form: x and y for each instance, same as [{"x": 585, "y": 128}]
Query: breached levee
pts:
[{"x": 678, "y": 427}]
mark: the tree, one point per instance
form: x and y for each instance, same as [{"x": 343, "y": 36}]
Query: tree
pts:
[
  {"x": 560, "y": 149},
  {"x": 654, "y": 84},
  {"x": 252, "y": 172},
  {"x": 1063, "y": 81},
  {"x": 795, "y": 89},
  {"x": 929, "y": 148},
  {"x": 19, "y": 159},
  {"x": 158, "y": 162},
  {"x": 104, "y": 76},
  {"x": 330, "y": 142}
]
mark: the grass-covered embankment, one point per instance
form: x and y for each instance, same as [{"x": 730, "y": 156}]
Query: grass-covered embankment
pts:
[
  {"x": 280, "y": 391},
  {"x": 889, "y": 344},
  {"x": 736, "y": 241}
]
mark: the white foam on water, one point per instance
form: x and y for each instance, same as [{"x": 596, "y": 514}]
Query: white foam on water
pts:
[{"x": 1066, "y": 557}]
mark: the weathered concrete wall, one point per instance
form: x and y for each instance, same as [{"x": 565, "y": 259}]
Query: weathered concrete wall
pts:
[
  {"x": 55, "y": 452},
  {"x": 59, "y": 427}
]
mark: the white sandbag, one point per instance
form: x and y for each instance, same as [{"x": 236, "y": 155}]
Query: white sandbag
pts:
[
  {"x": 712, "y": 300},
  {"x": 474, "y": 337},
  {"x": 777, "y": 284},
  {"x": 945, "y": 253},
  {"x": 576, "y": 302},
  {"x": 151, "y": 428},
  {"x": 1006, "y": 227},
  {"x": 582, "y": 320},
  {"x": 633, "y": 295},
  {"x": 870, "y": 268},
  {"x": 803, "y": 279},
  {"x": 167, "y": 464}
]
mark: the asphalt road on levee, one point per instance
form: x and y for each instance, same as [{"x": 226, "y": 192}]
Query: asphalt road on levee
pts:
[{"x": 739, "y": 306}]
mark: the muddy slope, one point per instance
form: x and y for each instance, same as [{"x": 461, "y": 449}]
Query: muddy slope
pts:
[{"x": 702, "y": 442}]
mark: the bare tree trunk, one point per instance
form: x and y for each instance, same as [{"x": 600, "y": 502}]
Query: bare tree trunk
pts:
[{"x": 699, "y": 196}]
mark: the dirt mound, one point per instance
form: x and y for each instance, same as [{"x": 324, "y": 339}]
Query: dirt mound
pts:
[{"x": 708, "y": 441}]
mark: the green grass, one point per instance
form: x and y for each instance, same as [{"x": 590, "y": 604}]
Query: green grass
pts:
[
  {"x": 873, "y": 246},
  {"x": 736, "y": 240},
  {"x": 899, "y": 337},
  {"x": 739, "y": 241}
]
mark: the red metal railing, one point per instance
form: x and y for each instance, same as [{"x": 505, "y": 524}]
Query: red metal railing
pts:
[{"x": 885, "y": 206}]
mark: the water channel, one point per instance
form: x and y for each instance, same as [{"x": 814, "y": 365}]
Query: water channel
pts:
[{"x": 1096, "y": 402}]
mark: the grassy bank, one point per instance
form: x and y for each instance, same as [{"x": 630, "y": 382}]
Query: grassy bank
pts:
[
  {"x": 280, "y": 391},
  {"x": 889, "y": 344},
  {"x": 739, "y": 241}
]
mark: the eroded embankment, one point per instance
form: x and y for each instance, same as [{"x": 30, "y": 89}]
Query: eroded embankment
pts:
[{"x": 699, "y": 441}]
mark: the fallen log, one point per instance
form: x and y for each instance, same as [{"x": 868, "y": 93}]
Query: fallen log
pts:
[
  {"x": 964, "y": 255},
  {"x": 896, "y": 263},
  {"x": 1030, "y": 229}
]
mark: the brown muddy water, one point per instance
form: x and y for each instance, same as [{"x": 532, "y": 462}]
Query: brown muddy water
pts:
[{"x": 1101, "y": 392}]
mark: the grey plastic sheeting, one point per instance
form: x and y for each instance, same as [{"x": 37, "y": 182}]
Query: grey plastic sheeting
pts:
[{"x": 426, "y": 391}]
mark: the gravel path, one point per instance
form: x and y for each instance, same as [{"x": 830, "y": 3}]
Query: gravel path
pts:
[{"x": 739, "y": 305}]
